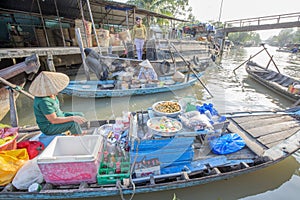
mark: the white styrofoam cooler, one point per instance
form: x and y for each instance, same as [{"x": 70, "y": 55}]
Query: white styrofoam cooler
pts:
[{"x": 71, "y": 159}]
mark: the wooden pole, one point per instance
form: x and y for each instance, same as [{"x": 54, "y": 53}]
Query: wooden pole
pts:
[
  {"x": 13, "y": 86},
  {"x": 86, "y": 69},
  {"x": 248, "y": 60},
  {"x": 296, "y": 103},
  {"x": 13, "y": 108},
  {"x": 60, "y": 26},
  {"x": 191, "y": 69},
  {"x": 271, "y": 57},
  {"x": 43, "y": 22},
  {"x": 93, "y": 24},
  {"x": 83, "y": 21}
]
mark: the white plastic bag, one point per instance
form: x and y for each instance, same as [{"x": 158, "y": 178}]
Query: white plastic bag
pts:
[
  {"x": 28, "y": 174},
  {"x": 194, "y": 119}
]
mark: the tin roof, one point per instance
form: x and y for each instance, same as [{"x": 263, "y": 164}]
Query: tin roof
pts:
[{"x": 105, "y": 12}]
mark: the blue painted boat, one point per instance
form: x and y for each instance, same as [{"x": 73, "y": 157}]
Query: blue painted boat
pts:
[
  {"x": 97, "y": 89},
  {"x": 269, "y": 137}
]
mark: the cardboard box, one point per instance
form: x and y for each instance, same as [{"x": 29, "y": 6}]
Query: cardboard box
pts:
[{"x": 71, "y": 159}]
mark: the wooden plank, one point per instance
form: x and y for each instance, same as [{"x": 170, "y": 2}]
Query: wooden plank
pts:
[
  {"x": 251, "y": 143},
  {"x": 252, "y": 123},
  {"x": 253, "y": 119},
  {"x": 289, "y": 145},
  {"x": 271, "y": 128},
  {"x": 270, "y": 139}
]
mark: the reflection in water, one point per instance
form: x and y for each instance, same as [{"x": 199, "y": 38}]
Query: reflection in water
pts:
[{"x": 232, "y": 92}]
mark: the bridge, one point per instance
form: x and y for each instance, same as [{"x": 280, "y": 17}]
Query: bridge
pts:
[
  {"x": 262, "y": 23},
  {"x": 259, "y": 23}
]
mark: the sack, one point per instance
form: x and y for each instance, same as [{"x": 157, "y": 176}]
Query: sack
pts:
[
  {"x": 28, "y": 174},
  {"x": 10, "y": 162},
  {"x": 226, "y": 144}
]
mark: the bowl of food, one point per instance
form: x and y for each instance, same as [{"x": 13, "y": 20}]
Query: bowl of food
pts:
[
  {"x": 167, "y": 108},
  {"x": 164, "y": 126}
]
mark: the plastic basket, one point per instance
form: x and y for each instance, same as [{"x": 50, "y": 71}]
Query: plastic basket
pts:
[
  {"x": 12, "y": 143},
  {"x": 107, "y": 170}
]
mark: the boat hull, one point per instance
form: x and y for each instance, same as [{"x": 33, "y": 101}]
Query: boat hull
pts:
[
  {"x": 79, "y": 89},
  {"x": 274, "y": 81},
  {"x": 270, "y": 137}
]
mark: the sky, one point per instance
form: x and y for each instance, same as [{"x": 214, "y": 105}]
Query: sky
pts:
[{"x": 209, "y": 10}]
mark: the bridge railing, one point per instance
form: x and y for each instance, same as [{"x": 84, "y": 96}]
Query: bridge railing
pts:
[{"x": 272, "y": 19}]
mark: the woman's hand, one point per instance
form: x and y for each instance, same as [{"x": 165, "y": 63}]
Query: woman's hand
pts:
[
  {"x": 60, "y": 120},
  {"x": 79, "y": 119}
]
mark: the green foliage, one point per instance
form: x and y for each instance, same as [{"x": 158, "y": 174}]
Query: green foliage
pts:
[
  {"x": 245, "y": 38},
  {"x": 173, "y": 8},
  {"x": 285, "y": 37}
]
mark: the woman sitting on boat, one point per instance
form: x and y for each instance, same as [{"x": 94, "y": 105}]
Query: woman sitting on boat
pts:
[
  {"x": 147, "y": 72},
  {"x": 51, "y": 120}
]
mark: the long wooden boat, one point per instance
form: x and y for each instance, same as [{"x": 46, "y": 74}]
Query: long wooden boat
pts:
[
  {"x": 273, "y": 80},
  {"x": 185, "y": 156},
  {"x": 110, "y": 88},
  {"x": 16, "y": 75}
]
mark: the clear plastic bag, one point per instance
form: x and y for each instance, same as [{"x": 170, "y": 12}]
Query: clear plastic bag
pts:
[{"x": 29, "y": 173}]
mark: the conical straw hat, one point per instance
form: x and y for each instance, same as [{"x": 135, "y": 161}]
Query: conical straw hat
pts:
[
  {"x": 48, "y": 83},
  {"x": 146, "y": 63}
]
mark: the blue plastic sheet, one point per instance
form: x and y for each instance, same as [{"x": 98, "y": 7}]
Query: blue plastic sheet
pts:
[{"x": 226, "y": 144}]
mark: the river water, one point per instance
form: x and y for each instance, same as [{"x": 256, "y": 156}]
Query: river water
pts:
[{"x": 231, "y": 92}]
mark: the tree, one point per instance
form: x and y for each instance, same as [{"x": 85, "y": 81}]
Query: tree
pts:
[
  {"x": 173, "y": 8},
  {"x": 245, "y": 38},
  {"x": 285, "y": 37}
]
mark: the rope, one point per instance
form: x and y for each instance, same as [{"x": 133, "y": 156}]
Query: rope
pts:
[
  {"x": 18, "y": 88},
  {"x": 119, "y": 185}
]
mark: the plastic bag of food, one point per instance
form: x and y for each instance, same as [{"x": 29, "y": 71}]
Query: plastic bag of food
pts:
[
  {"x": 28, "y": 174},
  {"x": 195, "y": 120},
  {"x": 10, "y": 162}
]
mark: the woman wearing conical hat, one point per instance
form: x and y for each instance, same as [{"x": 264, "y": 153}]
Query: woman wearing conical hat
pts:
[{"x": 50, "y": 119}]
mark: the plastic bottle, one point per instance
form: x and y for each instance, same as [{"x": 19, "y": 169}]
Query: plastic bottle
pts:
[
  {"x": 34, "y": 187},
  {"x": 118, "y": 167},
  {"x": 118, "y": 127}
]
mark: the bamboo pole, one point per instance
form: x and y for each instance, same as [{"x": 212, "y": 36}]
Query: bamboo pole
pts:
[
  {"x": 93, "y": 24},
  {"x": 60, "y": 26},
  {"x": 15, "y": 87},
  {"x": 271, "y": 57},
  {"x": 191, "y": 69},
  {"x": 248, "y": 60},
  {"x": 43, "y": 22},
  {"x": 82, "y": 18}
]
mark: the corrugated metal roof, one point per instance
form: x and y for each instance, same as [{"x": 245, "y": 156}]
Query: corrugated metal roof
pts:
[{"x": 106, "y": 12}]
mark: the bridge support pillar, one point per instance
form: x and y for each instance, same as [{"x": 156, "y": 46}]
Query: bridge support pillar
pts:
[{"x": 225, "y": 35}]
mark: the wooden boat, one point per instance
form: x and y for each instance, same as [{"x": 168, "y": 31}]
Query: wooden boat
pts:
[
  {"x": 273, "y": 80},
  {"x": 269, "y": 137},
  {"x": 113, "y": 88},
  {"x": 16, "y": 76}
]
